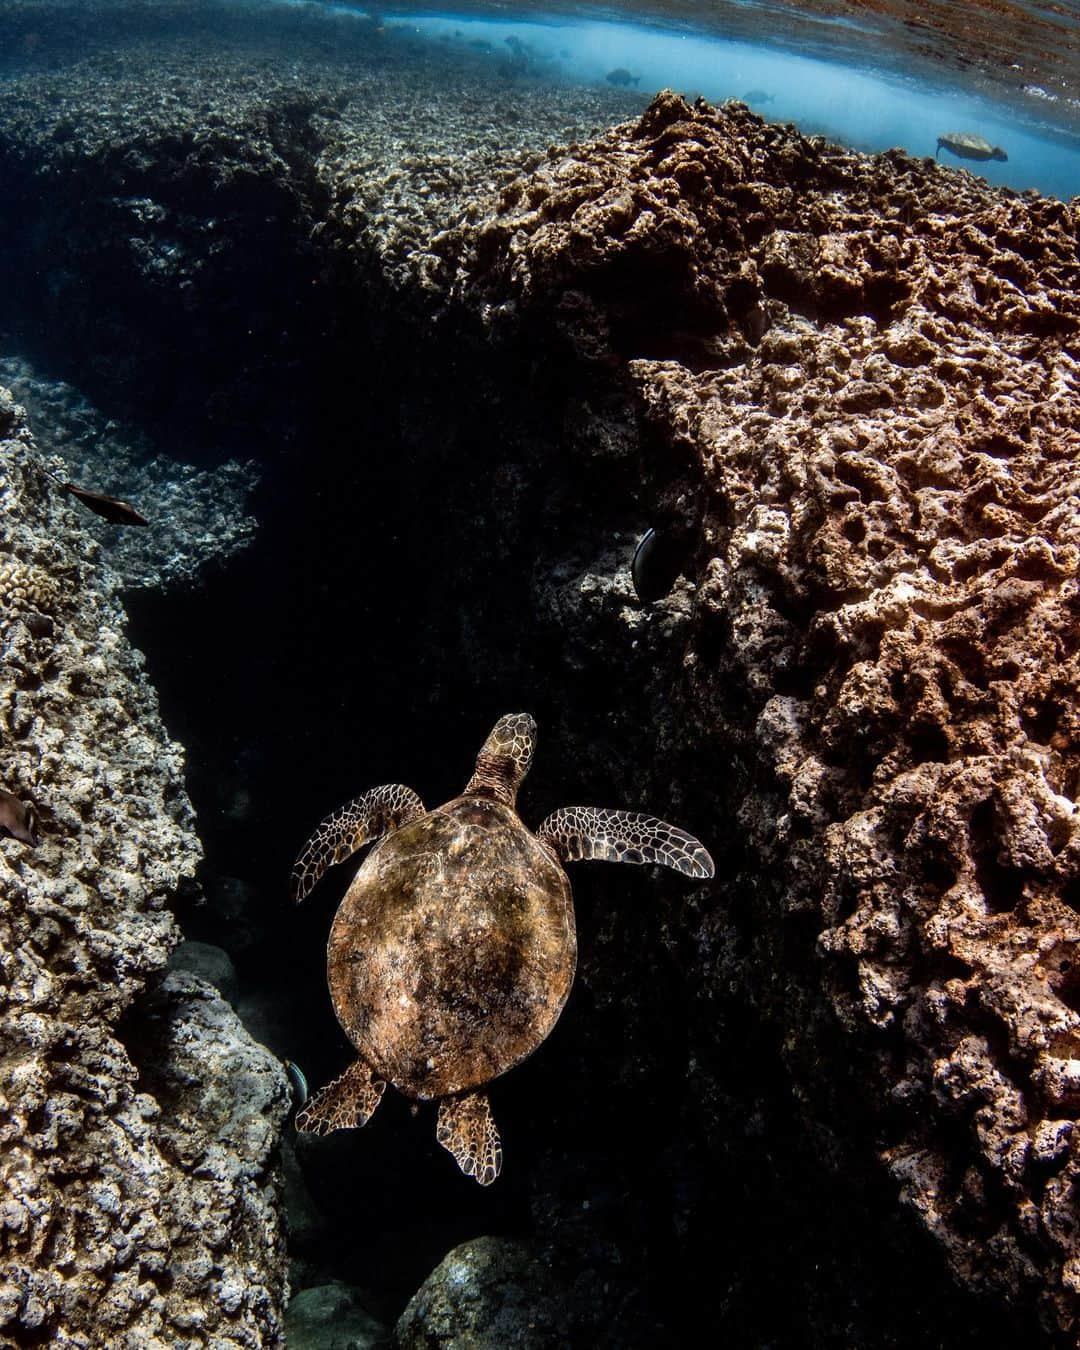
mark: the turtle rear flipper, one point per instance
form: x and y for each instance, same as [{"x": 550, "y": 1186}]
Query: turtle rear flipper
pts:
[
  {"x": 582, "y": 832},
  {"x": 345, "y": 1104},
  {"x": 466, "y": 1128},
  {"x": 359, "y": 822}
]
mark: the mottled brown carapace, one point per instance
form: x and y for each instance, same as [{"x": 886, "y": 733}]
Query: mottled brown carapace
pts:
[{"x": 454, "y": 950}]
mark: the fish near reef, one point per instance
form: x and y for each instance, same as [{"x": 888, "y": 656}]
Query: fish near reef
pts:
[
  {"x": 109, "y": 508},
  {"x": 966, "y": 145},
  {"x": 17, "y": 819},
  {"x": 298, "y": 1082},
  {"x": 658, "y": 560},
  {"x": 620, "y": 75},
  {"x": 454, "y": 950}
]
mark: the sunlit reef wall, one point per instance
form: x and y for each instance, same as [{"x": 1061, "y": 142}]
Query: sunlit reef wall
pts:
[{"x": 846, "y": 387}]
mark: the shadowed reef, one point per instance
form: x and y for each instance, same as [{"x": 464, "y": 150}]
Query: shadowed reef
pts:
[{"x": 478, "y": 344}]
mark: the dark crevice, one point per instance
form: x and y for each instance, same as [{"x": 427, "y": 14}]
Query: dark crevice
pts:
[{"x": 1002, "y": 886}]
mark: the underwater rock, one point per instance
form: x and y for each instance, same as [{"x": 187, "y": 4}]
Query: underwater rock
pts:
[
  {"x": 210, "y": 963},
  {"x": 488, "y": 1294},
  {"x": 860, "y": 366},
  {"x": 308, "y": 1232},
  {"x": 883, "y": 630},
  {"x": 208, "y": 164},
  {"x": 332, "y": 1317},
  {"x": 108, "y": 1234},
  {"x": 198, "y": 514}
]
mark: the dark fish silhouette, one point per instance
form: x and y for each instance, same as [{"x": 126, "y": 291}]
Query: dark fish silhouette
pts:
[
  {"x": 620, "y": 75},
  {"x": 110, "y": 508},
  {"x": 16, "y": 819},
  {"x": 757, "y": 96},
  {"x": 658, "y": 561}
]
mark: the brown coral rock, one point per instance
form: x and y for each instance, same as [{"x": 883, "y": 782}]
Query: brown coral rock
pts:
[{"x": 872, "y": 364}]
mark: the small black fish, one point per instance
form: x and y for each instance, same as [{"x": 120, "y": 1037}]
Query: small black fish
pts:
[
  {"x": 658, "y": 561},
  {"x": 620, "y": 75},
  {"x": 110, "y": 508},
  {"x": 17, "y": 819}
]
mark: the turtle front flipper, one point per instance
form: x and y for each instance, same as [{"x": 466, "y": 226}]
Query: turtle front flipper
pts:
[
  {"x": 582, "y": 832},
  {"x": 466, "y": 1128},
  {"x": 359, "y": 822},
  {"x": 345, "y": 1104}
]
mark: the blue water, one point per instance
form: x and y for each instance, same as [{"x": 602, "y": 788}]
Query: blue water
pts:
[{"x": 865, "y": 109}]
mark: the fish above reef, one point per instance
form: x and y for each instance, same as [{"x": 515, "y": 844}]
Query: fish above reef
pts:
[
  {"x": 453, "y": 952},
  {"x": 109, "y": 508},
  {"x": 966, "y": 145},
  {"x": 620, "y": 75},
  {"x": 17, "y": 820},
  {"x": 757, "y": 96}
]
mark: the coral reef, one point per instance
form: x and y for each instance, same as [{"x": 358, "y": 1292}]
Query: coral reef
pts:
[
  {"x": 197, "y": 515},
  {"x": 479, "y": 353},
  {"x": 181, "y": 176},
  {"x": 866, "y": 372},
  {"x": 136, "y": 1127}
]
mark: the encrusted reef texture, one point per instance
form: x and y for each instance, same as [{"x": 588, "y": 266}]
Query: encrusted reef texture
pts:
[
  {"x": 870, "y": 367},
  {"x": 137, "y": 1202}
]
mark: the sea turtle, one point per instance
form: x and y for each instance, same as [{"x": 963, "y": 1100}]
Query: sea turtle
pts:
[
  {"x": 453, "y": 951},
  {"x": 966, "y": 145},
  {"x": 620, "y": 75}
]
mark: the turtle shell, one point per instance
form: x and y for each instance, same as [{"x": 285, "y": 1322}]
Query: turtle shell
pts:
[
  {"x": 967, "y": 145},
  {"x": 454, "y": 949}
]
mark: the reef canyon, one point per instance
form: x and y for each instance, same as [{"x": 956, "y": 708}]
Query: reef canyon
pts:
[{"x": 477, "y": 339}]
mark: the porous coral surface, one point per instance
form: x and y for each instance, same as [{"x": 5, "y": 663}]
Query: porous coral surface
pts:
[
  {"x": 866, "y": 372},
  {"x": 844, "y": 387},
  {"x": 138, "y": 1204}
]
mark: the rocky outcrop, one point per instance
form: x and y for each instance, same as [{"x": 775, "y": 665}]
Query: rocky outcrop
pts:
[
  {"x": 333, "y": 1317},
  {"x": 137, "y": 1118},
  {"x": 842, "y": 389},
  {"x": 487, "y": 1293},
  {"x": 858, "y": 380}
]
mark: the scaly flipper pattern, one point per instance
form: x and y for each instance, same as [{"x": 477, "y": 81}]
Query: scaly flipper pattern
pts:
[
  {"x": 359, "y": 822},
  {"x": 345, "y": 1104},
  {"x": 466, "y": 1128},
  {"x": 582, "y": 832}
]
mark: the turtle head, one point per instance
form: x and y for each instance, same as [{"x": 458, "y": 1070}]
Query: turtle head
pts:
[
  {"x": 504, "y": 759},
  {"x": 998, "y": 153}
]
